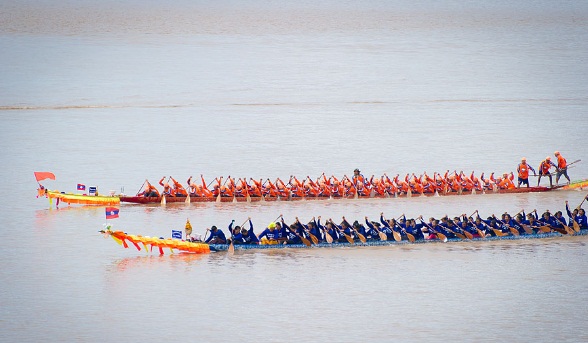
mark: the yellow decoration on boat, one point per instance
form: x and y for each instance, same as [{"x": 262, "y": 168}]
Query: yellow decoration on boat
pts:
[
  {"x": 71, "y": 198},
  {"x": 122, "y": 238}
]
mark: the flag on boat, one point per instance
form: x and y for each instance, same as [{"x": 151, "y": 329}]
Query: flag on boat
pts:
[
  {"x": 177, "y": 234},
  {"x": 111, "y": 212},
  {"x": 81, "y": 187},
  {"x": 44, "y": 175}
]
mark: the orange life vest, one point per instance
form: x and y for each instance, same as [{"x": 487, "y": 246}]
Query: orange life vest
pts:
[
  {"x": 561, "y": 162},
  {"x": 523, "y": 171}
]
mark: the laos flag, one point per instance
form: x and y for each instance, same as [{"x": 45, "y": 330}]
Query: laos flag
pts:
[
  {"x": 81, "y": 187},
  {"x": 111, "y": 212}
]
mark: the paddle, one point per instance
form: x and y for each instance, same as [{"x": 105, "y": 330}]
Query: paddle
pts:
[
  {"x": 143, "y": 185},
  {"x": 312, "y": 237},
  {"x": 383, "y": 236},
  {"x": 567, "y": 228},
  {"x": 439, "y": 235},
  {"x": 328, "y": 237},
  {"x": 579, "y": 206},
  {"x": 218, "y": 197},
  {"x": 480, "y": 233},
  {"x": 232, "y": 246},
  {"x": 347, "y": 237},
  {"x": 361, "y": 237},
  {"x": 465, "y": 232},
  {"x": 408, "y": 235},
  {"x": 302, "y": 238},
  {"x": 510, "y": 228}
]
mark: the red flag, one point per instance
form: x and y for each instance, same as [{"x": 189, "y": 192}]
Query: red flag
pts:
[
  {"x": 44, "y": 175},
  {"x": 111, "y": 212}
]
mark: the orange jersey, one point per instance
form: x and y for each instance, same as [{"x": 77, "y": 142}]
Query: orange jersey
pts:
[
  {"x": 544, "y": 167},
  {"x": 561, "y": 162},
  {"x": 523, "y": 171}
]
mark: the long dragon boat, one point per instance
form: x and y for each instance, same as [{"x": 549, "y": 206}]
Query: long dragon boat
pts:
[
  {"x": 180, "y": 199},
  {"x": 192, "y": 247}
]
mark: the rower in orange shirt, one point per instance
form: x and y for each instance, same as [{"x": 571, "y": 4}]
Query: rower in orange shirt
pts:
[
  {"x": 167, "y": 190},
  {"x": 204, "y": 191},
  {"x": 506, "y": 182},
  {"x": 150, "y": 191},
  {"x": 523, "y": 170},
  {"x": 178, "y": 190},
  {"x": 562, "y": 168}
]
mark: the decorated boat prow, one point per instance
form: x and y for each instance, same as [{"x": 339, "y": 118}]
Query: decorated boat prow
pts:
[
  {"x": 161, "y": 243},
  {"x": 83, "y": 199},
  {"x": 578, "y": 184}
]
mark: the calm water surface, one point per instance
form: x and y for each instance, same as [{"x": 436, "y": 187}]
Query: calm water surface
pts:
[{"x": 111, "y": 94}]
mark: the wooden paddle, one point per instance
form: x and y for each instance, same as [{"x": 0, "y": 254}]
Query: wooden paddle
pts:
[
  {"x": 567, "y": 228},
  {"x": 497, "y": 232},
  {"x": 395, "y": 234},
  {"x": 408, "y": 235},
  {"x": 328, "y": 237},
  {"x": 514, "y": 231},
  {"x": 480, "y": 233},
  {"x": 347, "y": 237},
  {"x": 313, "y": 238},
  {"x": 439, "y": 235},
  {"x": 143, "y": 185}
]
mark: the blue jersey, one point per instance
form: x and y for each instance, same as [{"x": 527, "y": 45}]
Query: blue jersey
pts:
[{"x": 216, "y": 234}]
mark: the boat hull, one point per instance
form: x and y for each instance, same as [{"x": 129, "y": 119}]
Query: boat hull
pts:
[
  {"x": 157, "y": 200},
  {"x": 224, "y": 247}
]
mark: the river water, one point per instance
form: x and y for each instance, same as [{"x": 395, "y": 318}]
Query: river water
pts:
[{"x": 114, "y": 93}]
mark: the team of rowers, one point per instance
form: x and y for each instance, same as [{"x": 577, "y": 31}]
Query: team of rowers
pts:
[
  {"x": 358, "y": 185},
  {"x": 463, "y": 227}
]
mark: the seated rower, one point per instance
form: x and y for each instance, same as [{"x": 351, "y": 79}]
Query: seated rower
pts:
[
  {"x": 150, "y": 190},
  {"x": 330, "y": 230},
  {"x": 167, "y": 190},
  {"x": 178, "y": 190},
  {"x": 216, "y": 236},
  {"x": 506, "y": 182},
  {"x": 373, "y": 232},
  {"x": 270, "y": 235}
]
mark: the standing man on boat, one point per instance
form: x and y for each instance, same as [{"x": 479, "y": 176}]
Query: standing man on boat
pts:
[
  {"x": 523, "y": 170},
  {"x": 562, "y": 168},
  {"x": 544, "y": 167}
]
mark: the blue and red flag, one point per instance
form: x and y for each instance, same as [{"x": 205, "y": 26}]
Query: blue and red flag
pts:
[
  {"x": 81, "y": 187},
  {"x": 111, "y": 212}
]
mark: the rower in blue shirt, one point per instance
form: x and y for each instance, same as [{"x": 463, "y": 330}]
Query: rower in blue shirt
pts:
[
  {"x": 270, "y": 235},
  {"x": 216, "y": 236},
  {"x": 331, "y": 230},
  {"x": 372, "y": 234},
  {"x": 245, "y": 236}
]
